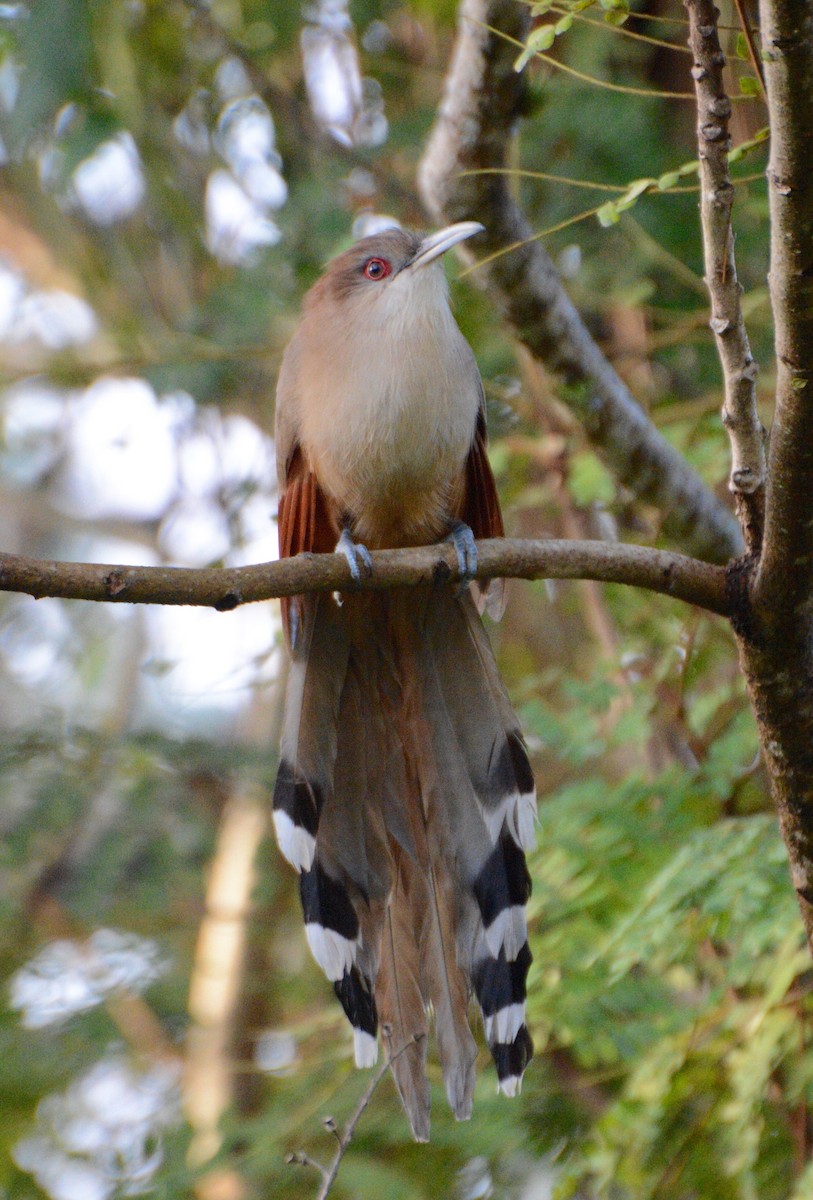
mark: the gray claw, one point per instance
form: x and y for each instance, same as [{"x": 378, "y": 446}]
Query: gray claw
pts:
[
  {"x": 462, "y": 538},
  {"x": 357, "y": 555},
  {"x": 293, "y": 624}
]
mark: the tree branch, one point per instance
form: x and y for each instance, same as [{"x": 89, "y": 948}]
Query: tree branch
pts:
[
  {"x": 740, "y": 415},
  {"x": 474, "y": 129},
  {"x": 785, "y": 575},
  {"x": 225, "y": 588},
  {"x": 772, "y": 599}
]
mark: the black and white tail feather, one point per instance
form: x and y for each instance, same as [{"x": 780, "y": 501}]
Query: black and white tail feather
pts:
[{"x": 406, "y": 801}]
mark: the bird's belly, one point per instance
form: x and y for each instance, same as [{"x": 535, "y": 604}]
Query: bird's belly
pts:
[{"x": 394, "y": 471}]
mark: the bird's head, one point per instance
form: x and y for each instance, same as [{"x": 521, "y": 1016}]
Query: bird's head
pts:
[{"x": 392, "y": 268}]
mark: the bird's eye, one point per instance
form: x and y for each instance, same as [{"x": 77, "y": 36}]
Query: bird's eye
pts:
[{"x": 377, "y": 268}]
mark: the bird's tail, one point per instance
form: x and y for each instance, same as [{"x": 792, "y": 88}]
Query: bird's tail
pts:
[{"x": 406, "y": 801}]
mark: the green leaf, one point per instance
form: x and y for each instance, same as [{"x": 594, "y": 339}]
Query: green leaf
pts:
[
  {"x": 589, "y": 481},
  {"x": 539, "y": 40},
  {"x": 542, "y": 38},
  {"x": 744, "y": 148},
  {"x": 633, "y": 193},
  {"x": 689, "y": 168},
  {"x": 608, "y": 214},
  {"x": 750, "y": 85},
  {"x": 616, "y": 12},
  {"x": 563, "y": 25}
]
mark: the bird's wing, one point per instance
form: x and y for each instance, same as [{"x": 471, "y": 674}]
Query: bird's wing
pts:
[
  {"x": 481, "y": 512},
  {"x": 481, "y": 505},
  {"x": 305, "y": 522}
]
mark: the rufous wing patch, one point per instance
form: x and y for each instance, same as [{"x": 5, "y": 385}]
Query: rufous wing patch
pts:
[
  {"x": 481, "y": 504},
  {"x": 304, "y": 521},
  {"x": 481, "y": 512}
]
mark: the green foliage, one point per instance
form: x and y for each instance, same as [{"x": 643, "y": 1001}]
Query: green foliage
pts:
[
  {"x": 55, "y": 45},
  {"x": 615, "y": 11},
  {"x": 610, "y": 212},
  {"x": 542, "y": 38},
  {"x": 666, "y": 945},
  {"x": 749, "y": 85},
  {"x": 589, "y": 480}
]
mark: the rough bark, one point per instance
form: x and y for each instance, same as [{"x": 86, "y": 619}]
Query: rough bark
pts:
[
  {"x": 772, "y": 597},
  {"x": 740, "y": 416},
  {"x": 785, "y": 577},
  {"x": 475, "y": 125}
]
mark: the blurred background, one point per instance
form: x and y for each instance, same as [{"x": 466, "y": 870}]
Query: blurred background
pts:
[{"x": 173, "y": 177}]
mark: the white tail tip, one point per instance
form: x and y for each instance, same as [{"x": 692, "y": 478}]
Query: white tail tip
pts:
[
  {"x": 365, "y": 1048},
  {"x": 335, "y": 954},
  {"x": 510, "y": 1086},
  {"x": 295, "y": 843}
]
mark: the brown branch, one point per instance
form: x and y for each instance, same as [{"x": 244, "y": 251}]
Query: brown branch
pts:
[
  {"x": 740, "y": 416},
  {"x": 226, "y": 588},
  {"x": 785, "y": 574},
  {"x": 772, "y": 598},
  {"x": 473, "y": 132},
  {"x": 753, "y": 50}
]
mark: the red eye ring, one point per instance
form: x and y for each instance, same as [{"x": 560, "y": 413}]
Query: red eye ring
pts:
[{"x": 377, "y": 268}]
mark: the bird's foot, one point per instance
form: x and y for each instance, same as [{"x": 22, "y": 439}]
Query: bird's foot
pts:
[
  {"x": 357, "y": 555},
  {"x": 293, "y": 623},
  {"x": 462, "y": 538}
]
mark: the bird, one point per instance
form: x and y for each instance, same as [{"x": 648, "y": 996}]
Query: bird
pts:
[{"x": 404, "y": 796}]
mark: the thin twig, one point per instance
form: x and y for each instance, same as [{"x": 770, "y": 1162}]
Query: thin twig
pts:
[
  {"x": 350, "y": 1128},
  {"x": 621, "y": 30},
  {"x": 300, "y": 1159},
  {"x": 642, "y": 16},
  {"x": 740, "y": 415},
  {"x": 592, "y": 80},
  {"x": 225, "y": 588},
  {"x": 344, "y": 1138},
  {"x": 753, "y": 51}
]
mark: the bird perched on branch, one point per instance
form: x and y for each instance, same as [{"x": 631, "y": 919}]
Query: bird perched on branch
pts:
[{"x": 404, "y": 796}]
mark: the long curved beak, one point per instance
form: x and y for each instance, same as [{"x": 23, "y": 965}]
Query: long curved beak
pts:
[{"x": 438, "y": 243}]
